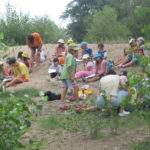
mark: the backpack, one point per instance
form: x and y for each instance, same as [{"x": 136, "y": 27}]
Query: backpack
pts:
[{"x": 52, "y": 96}]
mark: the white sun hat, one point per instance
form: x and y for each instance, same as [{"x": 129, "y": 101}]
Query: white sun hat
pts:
[
  {"x": 1, "y": 63},
  {"x": 131, "y": 40},
  {"x": 85, "y": 56},
  {"x": 61, "y": 41},
  {"x": 140, "y": 38}
]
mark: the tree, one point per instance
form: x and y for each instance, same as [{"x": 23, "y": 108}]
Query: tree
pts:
[
  {"x": 105, "y": 26},
  {"x": 16, "y": 26},
  {"x": 80, "y": 12},
  {"x": 126, "y": 14}
]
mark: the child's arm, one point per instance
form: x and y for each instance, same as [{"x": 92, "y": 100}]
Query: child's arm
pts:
[
  {"x": 105, "y": 68},
  {"x": 105, "y": 55}
]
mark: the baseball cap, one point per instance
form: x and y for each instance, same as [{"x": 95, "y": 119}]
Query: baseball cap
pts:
[
  {"x": 140, "y": 38},
  {"x": 61, "y": 41},
  {"x": 131, "y": 40},
  {"x": 73, "y": 46},
  {"x": 98, "y": 55},
  {"x": 1, "y": 63},
  {"x": 83, "y": 44},
  {"x": 85, "y": 56},
  {"x": 70, "y": 41}
]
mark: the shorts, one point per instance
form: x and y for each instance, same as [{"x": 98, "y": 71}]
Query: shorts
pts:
[
  {"x": 34, "y": 49},
  {"x": 23, "y": 79},
  {"x": 132, "y": 58},
  {"x": 67, "y": 83}
]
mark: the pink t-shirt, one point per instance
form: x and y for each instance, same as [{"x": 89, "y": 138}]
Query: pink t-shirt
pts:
[
  {"x": 90, "y": 66},
  {"x": 102, "y": 67},
  {"x": 123, "y": 79}
]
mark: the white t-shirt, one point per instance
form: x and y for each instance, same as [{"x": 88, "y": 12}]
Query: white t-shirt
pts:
[
  {"x": 110, "y": 85},
  {"x": 58, "y": 68}
]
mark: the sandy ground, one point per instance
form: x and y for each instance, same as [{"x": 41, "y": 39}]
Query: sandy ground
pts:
[{"x": 67, "y": 141}]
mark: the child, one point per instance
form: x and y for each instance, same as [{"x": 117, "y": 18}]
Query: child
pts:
[
  {"x": 20, "y": 71},
  {"x": 127, "y": 51},
  {"x": 60, "y": 49},
  {"x": 19, "y": 56},
  {"x": 26, "y": 60},
  {"x": 102, "y": 51},
  {"x": 56, "y": 68},
  {"x": 101, "y": 68},
  {"x": 131, "y": 59},
  {"x": 89, "y": 67},
  {"x": 34, "y": 42},
  {"x": 4, "y": 71},
  {"x": 85, "y": 49},
  {"x": 68, "y": 76},
  {"x": 111, "y": 85}
]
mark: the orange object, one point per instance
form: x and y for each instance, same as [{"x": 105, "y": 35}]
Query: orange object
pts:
[
  {"x": 37, "y": 41},
  {"x": 5, "y": 71},
  {"x": 23, "y": 79},
  {"x": 61, "y": 60}
]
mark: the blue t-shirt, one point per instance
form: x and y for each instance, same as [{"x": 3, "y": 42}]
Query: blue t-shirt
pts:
[{"x": 89, "y": 51}]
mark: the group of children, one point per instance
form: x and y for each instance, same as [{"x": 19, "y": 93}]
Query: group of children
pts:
[
  {"x": 18, "y": 71},
  {"x": 64, "y": 66},
  {"x": 96, "y": 68}
]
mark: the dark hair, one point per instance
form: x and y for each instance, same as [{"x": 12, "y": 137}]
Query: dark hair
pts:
[
  {"x": 125, "y": 73},
  {"x": 25, "y": 58},
  {"x": 55, "y": 60},
  {"x": 101, "y": 45},
  {"x": 31, "y": 38},
  {"x": 11, "y": 60},
  {"x": 20, "y": 54},
  {"x": 98, "y": 62}
]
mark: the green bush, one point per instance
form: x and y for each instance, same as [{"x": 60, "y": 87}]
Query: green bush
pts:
[
  {"x": 105, "y": 26},
  {"x": 15, "y": 114}
]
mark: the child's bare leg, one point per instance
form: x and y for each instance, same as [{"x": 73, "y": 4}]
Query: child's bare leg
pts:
[
  {"x": 13, "y": 82},
  {"x": 126, "y": 60},
  {"x": 37, "y": 57},
  {"x": 128, "y": 64},
  {"x": 63, "y": 94},
  {"x": 94, "y": 78},
  {"x": 76, "y": 89}
]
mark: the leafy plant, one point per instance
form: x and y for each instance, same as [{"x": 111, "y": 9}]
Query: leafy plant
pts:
[{"x": 15, "y": 114}]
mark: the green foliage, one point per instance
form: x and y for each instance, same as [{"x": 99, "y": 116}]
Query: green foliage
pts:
[
  {"x": 16, "y": 26},
  {"x": 106, "y": 27},
  {"x": 3, "y": 47},
  {"x": 80, "y": 12},
  {"x": 15, "y": 118},
  {"x": 144, "y": 145}
]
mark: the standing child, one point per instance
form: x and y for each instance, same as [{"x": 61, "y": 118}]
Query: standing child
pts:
[
  {"x": 34, "y": 42},
  {"x": 68, "y": 76},
  {"x": 102, "y": 51}
]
